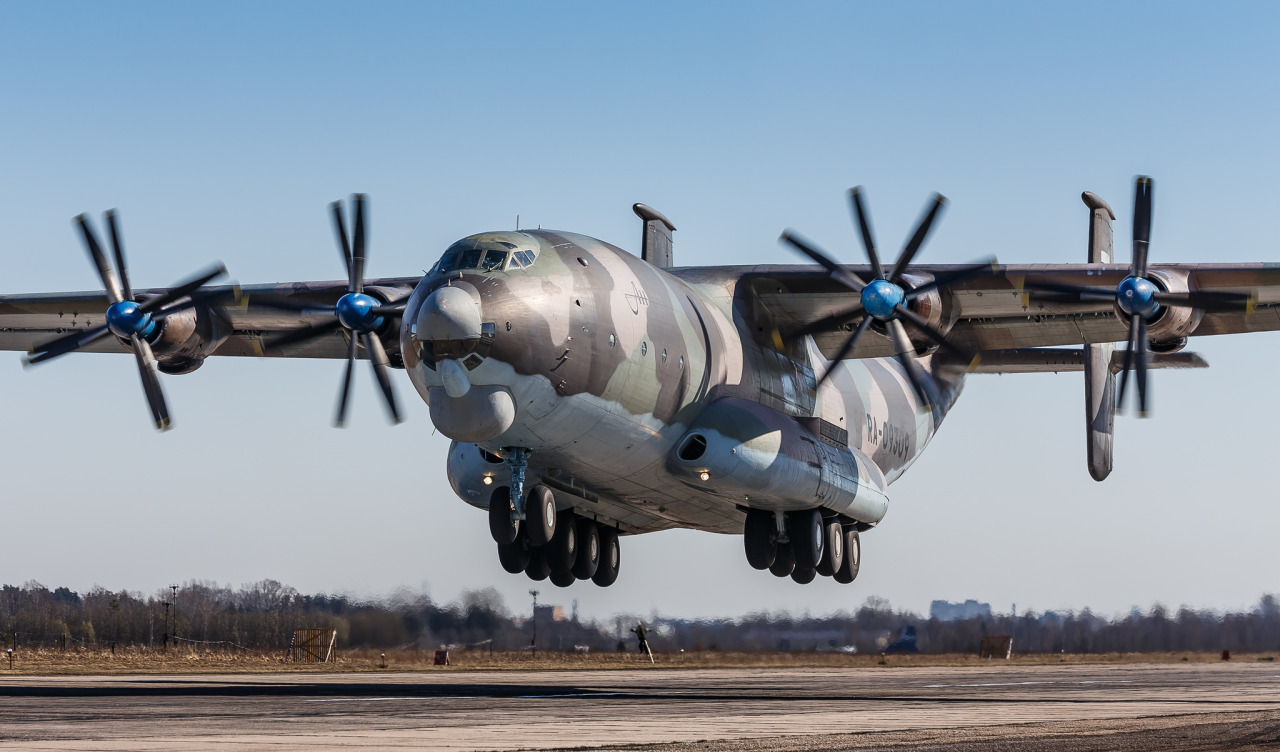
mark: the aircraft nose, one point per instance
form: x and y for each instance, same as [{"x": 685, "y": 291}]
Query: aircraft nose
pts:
[
  {"x": 449, "y": 315},
  {"x": 449, "y": 329}
]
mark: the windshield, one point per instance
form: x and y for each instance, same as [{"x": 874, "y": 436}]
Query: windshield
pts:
[{"x": 465, "y": 255}]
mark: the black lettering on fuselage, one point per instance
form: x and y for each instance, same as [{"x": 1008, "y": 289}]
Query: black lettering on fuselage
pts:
[{"x": 890, "y": 438}]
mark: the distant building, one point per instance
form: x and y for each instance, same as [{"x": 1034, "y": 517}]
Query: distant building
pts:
[
  {"x": 551, "y": 613},
  {"x": 947, "y": 611}
]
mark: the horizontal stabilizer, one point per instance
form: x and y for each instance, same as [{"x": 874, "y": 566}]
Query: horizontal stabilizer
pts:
[{"x": 1068, "y": 360}]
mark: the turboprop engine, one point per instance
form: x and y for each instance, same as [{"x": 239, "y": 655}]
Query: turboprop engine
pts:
[
  {"x": 186, "y": 338},
  {"x": 1169, "y": 330},
  {"x": 768, "y": 460}
]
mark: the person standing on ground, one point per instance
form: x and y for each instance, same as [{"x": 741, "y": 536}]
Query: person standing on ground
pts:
[{"x": 640, "y": 638}]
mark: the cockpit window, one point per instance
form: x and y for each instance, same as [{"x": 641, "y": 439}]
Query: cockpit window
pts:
[{"x": 463, "y": 255}]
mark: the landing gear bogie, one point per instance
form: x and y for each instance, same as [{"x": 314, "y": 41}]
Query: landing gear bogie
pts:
[
  {"x": 784, "y": 563},
  {"x": 562, "y": 550},
  {"x": 832, "y": 547},
  {"x": 760, "y": 537},
  {"x": 515, "y": 555},
  {"x": 588, "y": 560},
  {"x": 540, "y": 515},
  {"x": 807, "y": 534},
  {"x": 610, "y": 558},
  {"x": 537, "y": 569},
  {"x": 848, "y": 570},
  {"x": 578, "y": 549},
  {"x": 503, "y": 525}
]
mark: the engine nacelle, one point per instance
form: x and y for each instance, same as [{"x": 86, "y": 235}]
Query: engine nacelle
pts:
[
  {"x": 768, "y": 460},
  {"x": 1172, "y": 324},
  {"x": 468, "y": 467},
  {"x": 183, "y": 341},
  {"x": 928, "y": 305}
]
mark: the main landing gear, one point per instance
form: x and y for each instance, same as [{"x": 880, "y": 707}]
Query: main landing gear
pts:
[
  {"x": 812, "y": 545},
  {"x": 560, "y": 545}
]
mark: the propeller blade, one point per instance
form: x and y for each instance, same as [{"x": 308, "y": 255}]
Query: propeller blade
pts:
[
  {"x": 151, "y": 382},
  {"x": 210, "y": 297},
  {"x": 1142, "y": 356},
  {"x": 845, "y": 349},
  {"x": 65, "y": 344},
  {"x": 357, "y": 247},
  {"x": 118, "y": 248},
  {"x": 920, "y": 322},
  {"x": 864, "y": 225},
  {"x": 839, "y": 273},
  {"x": 344, "y": 245},
  {"x": 287, "y": 304},
  {"x": 946, "y": 279},
  {"x": 341, "y": 417},
  {"x": 302, "y": 335},
  {"x": 918, "y": 237},
  {"x": 1142, "y": 190},
  {"x": 1061, "y": 293},
  {"x": 1210, "y": 300},
  {"x": 182, "y": 290},
  {"x": 907, "y": 357},
  {"x": 109, "y": 281},
  {"x": 378, "y": 357},
  {"x": 826, "y": 323},
  {"x": 1128, "y": 361},
  {"x": 391, "y": 309}
]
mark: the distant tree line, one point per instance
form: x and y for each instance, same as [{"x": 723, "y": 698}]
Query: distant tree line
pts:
[{"x": 264, "y": 614}]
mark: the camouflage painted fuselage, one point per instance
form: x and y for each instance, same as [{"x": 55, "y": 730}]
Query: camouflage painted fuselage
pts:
[{"x": 610, "y": 361}]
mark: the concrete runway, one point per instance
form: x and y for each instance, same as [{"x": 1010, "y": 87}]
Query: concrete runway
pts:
[{"x": 724, "y": 709}]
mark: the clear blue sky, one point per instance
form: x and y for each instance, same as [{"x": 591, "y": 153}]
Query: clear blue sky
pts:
[{"x": 222, "y": 131}]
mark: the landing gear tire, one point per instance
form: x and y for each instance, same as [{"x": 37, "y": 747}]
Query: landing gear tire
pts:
[
  {"x": 784, "y": 563},
  {"x": 503, "y": 525},
  {"x": 833, "y": 548},
  {"x": 805, "y": 530},
  {"x": 562, "y": 579},
  {"x": 760, "y": 537},
  {"x": 588, "y": 561},
  {"x": 803, "y": 576},
  {"x": 514, "y": 555},
  {"x": 562, "y": 551},
  {"x": 538, "y": 568},
  {"x": 540, "y": 515},
  {"x": 848, "y": 571},
  {"x": 610, "y": 557}
]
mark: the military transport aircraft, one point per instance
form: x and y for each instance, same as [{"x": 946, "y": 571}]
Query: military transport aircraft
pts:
[{"x": 591, "y": 393}]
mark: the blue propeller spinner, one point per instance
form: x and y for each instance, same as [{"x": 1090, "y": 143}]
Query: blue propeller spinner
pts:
[
  {"x": 887, "y": 298},
  {"x": 359, "y": 315},
  {"x": 1139, "y": 298},
  {"x": 136, "y": 323}
]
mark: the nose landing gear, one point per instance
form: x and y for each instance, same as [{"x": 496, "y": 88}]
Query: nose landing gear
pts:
[{"x": 548, "y": 544}]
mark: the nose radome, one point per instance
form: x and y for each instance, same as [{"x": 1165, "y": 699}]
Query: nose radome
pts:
[{"x": 449, "y": 314}]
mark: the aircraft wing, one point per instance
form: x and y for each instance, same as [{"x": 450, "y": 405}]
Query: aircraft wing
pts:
[
  {"x": 993, "y": 312},
  {"x": 29, "y": 320}
]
